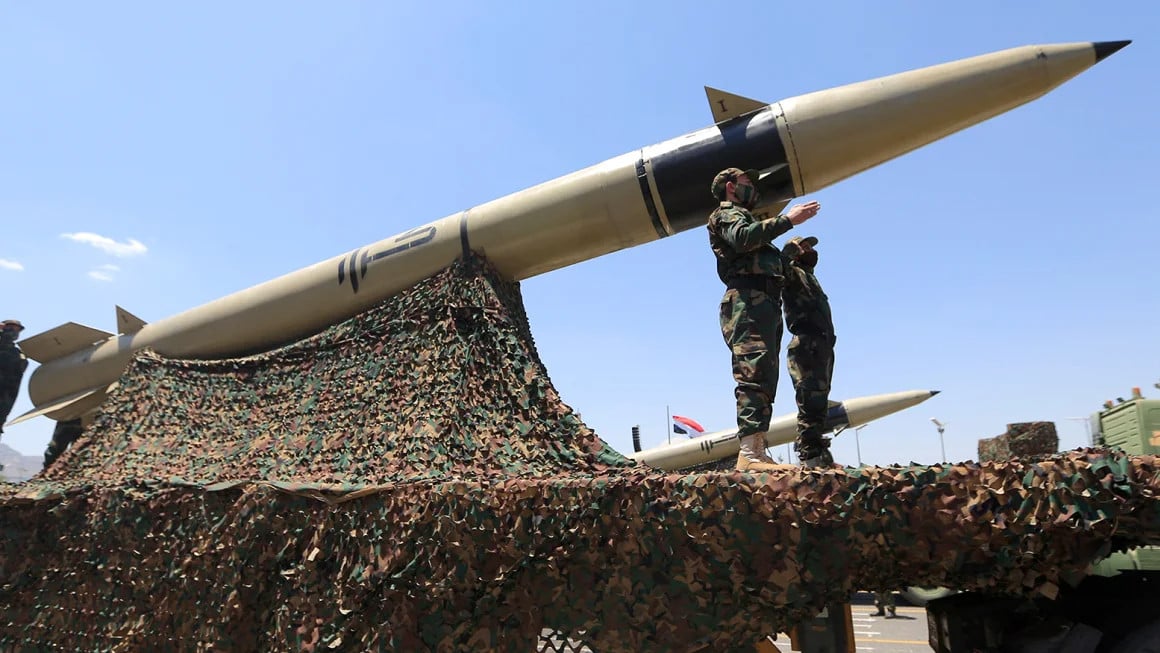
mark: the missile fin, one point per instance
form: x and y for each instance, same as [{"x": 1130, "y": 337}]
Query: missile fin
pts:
[
  {"x": 71, "y": 407},
  {"x": 65, "y": 339},
  {"x": 127, "y": 323},
  {"x": 727, "y": 106}
]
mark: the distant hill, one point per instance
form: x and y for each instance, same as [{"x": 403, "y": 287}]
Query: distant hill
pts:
[{"x": 16, "y": 466}]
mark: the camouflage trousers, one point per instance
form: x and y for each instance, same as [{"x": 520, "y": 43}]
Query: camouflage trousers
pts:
[
  {"x": 63, "y": 436},
  {"x": 810, "y": 360},
  {"x": 7, "y": 400},
  {"x": 752, "y": 328}
]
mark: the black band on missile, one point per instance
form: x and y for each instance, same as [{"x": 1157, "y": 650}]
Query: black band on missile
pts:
[
  {"x": 649, "y": 204},
  {"x": 683, "y": 175},
  {"x": 836, "y": 417},
  {"x": 463, "y": 235}
]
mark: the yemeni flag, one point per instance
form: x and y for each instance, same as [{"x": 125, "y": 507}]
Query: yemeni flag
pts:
[{"x": 687, "y": 427}]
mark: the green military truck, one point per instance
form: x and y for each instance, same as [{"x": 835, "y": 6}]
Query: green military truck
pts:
[
  {"x": 1116, "y": 609},
  {"x": 1134, "y": 426}
]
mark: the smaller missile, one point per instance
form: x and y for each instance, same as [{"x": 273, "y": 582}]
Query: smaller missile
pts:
[{"x": 851, "y": 413}]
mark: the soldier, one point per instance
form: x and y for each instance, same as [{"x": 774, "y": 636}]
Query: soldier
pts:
[
  {"x": 12, "y": 366},
  {"x": 810, "y": 358},
  {"x": 63, "y": 435},
  {"x": 750, "y": 311}
]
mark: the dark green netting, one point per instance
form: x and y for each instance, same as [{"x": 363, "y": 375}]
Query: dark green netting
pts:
[{"x": 409, "y": 480}]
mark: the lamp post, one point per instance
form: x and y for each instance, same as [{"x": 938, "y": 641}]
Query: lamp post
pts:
[
  {"x": 858, "y": 443},
  {"x": 941, "y": 427}
]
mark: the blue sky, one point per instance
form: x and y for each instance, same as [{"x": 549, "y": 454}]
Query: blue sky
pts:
[{"x": 209, "y": 147}]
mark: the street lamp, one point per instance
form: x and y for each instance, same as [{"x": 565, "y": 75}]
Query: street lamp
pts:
[
  {"x": 857, "y": 443},
  {"x": 941, "y": 427}
]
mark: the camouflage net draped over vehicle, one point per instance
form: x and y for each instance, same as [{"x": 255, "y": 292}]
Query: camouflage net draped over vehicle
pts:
[{"x": 409, "y": 480}]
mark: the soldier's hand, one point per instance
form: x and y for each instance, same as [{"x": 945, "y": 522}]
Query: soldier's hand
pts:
[{"x": 803, "y": 212}]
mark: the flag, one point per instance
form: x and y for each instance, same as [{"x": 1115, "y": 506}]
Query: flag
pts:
[{"x": 687, "y": 427}]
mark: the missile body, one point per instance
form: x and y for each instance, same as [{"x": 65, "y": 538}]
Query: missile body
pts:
[
  {"x": 801, "y": 145},
  {"x": 851, "y": 413}
]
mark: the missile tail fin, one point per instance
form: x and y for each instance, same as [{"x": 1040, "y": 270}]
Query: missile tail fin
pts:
[
  {"x": 127, "y": 323},
  {"x": 71, "y": 407},
  {"x": 726, "y": 106},
  {"x": 65, "y": 339}
]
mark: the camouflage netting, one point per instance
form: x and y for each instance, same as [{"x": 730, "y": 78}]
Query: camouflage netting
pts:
[
  {"x": 409, "y": 480},
  {"x": 1022, "y": 440}
]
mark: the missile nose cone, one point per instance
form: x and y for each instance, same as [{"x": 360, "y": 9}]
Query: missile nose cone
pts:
[
  {"x": 1105, "y": 49},
  {"x": 934, "y": 392}
]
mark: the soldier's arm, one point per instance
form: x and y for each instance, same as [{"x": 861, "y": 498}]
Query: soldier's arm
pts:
[{"x": 748, "y": 236}]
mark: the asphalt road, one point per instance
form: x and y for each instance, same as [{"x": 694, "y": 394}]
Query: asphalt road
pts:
[{"x": 905, "y": 633}]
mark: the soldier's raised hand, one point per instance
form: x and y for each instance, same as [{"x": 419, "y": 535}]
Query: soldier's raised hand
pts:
[{"x": 802, "y": 212}]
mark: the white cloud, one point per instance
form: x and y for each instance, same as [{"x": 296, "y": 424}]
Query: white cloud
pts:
[
  {"x": 10, "y": 265},
  {"x": 108, "y": 245},
  {"x": 104, "y": 272}
]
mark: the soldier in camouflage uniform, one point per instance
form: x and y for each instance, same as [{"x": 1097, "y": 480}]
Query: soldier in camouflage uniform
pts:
[
  {"x": 12, "y": 366},
  {"x": 65, "y": 433},
  {"x": 750, "y": 312},
  {"x": 810, "y": 358},
  {"x": 884, "y": 601}
]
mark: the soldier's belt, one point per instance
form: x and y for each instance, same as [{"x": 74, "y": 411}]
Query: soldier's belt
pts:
[{"x": 769, "y": 285}]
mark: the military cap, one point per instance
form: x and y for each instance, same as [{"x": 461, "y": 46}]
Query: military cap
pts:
[
  {"x": 730, "y": 174},
  {"x": 793, "y": 246},
  {"x": 12, "y": 323}
]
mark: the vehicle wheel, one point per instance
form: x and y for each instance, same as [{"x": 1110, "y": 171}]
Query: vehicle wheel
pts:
[{"x": 1145, "y": 639}]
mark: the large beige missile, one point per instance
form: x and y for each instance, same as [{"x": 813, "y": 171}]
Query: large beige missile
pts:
[
  {"x": 842, "y": 415},
  {"x": 801, "y": 145}
]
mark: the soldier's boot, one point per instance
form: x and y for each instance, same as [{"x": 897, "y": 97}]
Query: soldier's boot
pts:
[
  {"x": 892, "y": 612},
  {"x": 752, "y": 457},
  {"x": 880, "y": 612},
  {"x": 814, "y": 452}
]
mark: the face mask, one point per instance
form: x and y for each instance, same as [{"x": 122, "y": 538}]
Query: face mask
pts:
[
  {"x": 808, "y": 259},
  {"x": 746, "y": 195}
]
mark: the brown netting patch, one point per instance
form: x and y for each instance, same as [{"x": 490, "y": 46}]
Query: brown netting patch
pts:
[{"x": 409, "y": 480}]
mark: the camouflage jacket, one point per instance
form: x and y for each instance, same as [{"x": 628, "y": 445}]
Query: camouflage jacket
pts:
[
  {"x": 743, "y": 244},
  {"x": 807, "y": 308},
  {"x": 12, "y": 366}
]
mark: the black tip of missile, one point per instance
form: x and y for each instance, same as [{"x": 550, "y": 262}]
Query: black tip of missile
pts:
[
  {"x": 934, "y": 392},
  {"x": 1105, "y": 49}
]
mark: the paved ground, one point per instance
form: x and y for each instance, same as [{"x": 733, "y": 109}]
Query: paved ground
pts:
[{"x": 906, "y": 633}]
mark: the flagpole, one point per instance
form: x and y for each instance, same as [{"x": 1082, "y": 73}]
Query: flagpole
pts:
[{"x": 669, "y": 423}]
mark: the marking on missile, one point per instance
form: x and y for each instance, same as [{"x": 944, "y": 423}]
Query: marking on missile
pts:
[
  {"x": 413, "y": 238},
  {"x": 649, "y": 204}
]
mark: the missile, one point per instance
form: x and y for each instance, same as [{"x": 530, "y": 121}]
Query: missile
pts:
[
  {"x": 851, "y": 413},
  {"x": 801, "y": 145}
]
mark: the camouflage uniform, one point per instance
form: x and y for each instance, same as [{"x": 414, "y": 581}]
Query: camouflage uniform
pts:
[
  {"x": 750, "y": 311},
  {"x": 884, "y": 601},
  {"x": 12, "y": 366},
  {"x": 810, "y": 358},
  {"x": 65, "y": 433}
]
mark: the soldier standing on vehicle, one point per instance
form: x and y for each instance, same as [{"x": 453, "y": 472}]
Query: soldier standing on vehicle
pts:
[
  {"x": 810, "y": 357},
  {"x": 750, "y": 311},
  {"x": 12, "y": 365}
]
